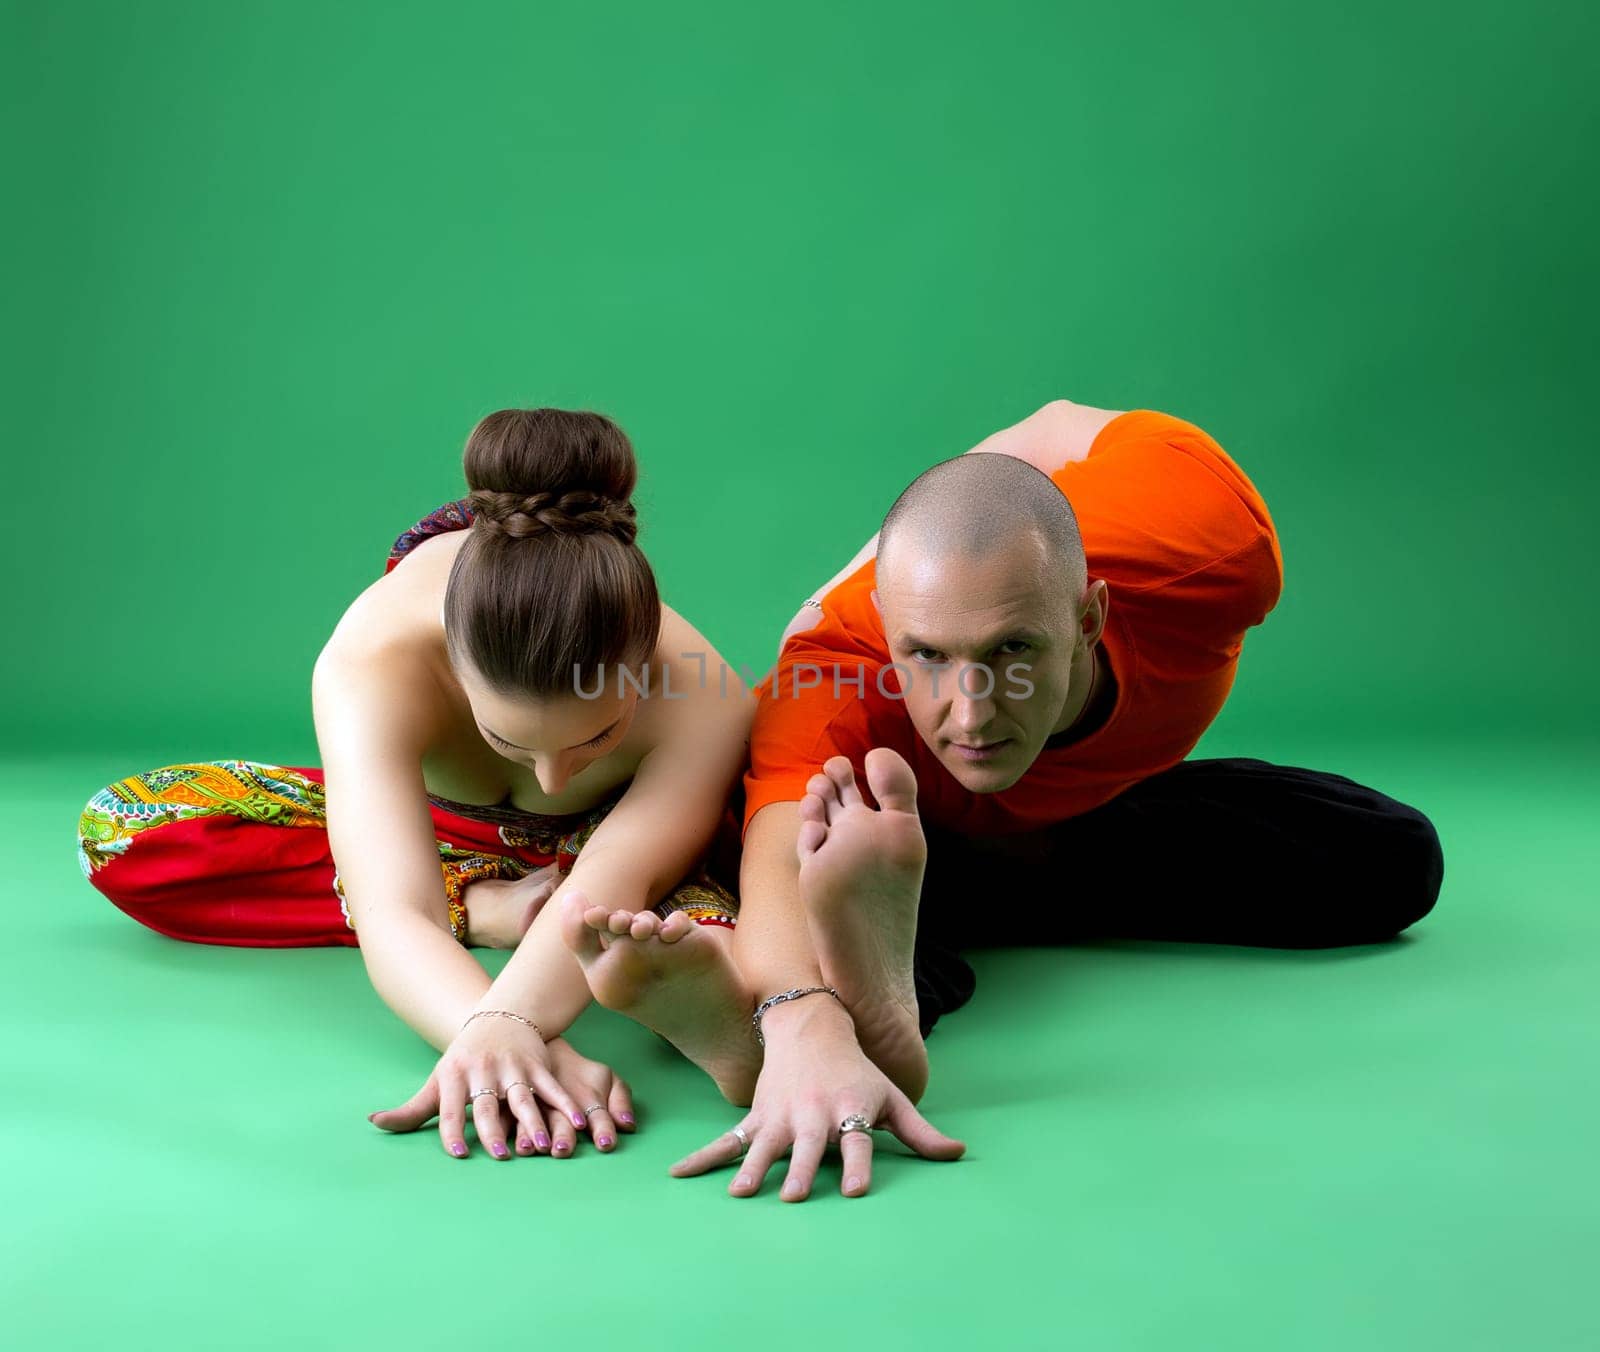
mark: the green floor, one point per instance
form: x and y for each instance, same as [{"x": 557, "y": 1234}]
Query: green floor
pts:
[{"x": 1169, "y": 1147}]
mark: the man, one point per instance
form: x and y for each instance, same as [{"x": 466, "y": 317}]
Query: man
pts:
[{"x": 1016, "y": 669}]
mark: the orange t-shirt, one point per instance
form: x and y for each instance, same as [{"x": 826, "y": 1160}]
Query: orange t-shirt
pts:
[{"x": 1191, "y": 560}]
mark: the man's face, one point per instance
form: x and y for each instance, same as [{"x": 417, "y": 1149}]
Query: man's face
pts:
[{"x": 985, "y": 648}]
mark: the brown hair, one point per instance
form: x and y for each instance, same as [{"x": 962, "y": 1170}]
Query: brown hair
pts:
[{"x": 550, "y": 587}]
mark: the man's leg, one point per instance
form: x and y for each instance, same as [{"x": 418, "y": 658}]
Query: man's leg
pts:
[{"x": 1225, "y": 851}]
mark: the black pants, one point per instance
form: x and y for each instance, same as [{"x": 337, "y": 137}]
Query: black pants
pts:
[{"x": 1231, "y": 851}]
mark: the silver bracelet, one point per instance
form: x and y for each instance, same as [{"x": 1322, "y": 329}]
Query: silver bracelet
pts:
[
  {"x": 811, "y": 601},
  {"x": 506, "y": 1014},
  {"x": 781, "y": 998}
]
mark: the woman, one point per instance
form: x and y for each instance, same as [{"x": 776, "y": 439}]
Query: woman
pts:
[{"x": 509, "y": 715}]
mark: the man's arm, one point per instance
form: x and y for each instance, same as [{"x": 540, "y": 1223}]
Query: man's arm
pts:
[
  {"x": 814, "y": 1074},
  {"x": 771, "y": 942}
]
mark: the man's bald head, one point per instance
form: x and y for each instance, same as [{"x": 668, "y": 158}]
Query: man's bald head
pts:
[
  {"x": 977, "y": 505},
  {"x": 987, "y": 613}
]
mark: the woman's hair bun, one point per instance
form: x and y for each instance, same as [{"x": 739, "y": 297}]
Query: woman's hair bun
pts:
[{"x": 541, "y": 471}]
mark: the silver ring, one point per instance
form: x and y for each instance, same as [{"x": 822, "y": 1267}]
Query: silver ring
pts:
[
  {"x": 476, "y": 1092},
  {"x": 515, "y": 1083},
  {"x": 597, "y": 1107},
  {"x": 855, "y": 1122},
  {"x": 744, "y": 1141}
]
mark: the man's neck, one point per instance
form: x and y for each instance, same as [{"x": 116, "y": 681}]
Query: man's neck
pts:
[{"x": 1097, "y": 703}]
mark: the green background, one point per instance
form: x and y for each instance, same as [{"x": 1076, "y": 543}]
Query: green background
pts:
[{"x": 267, "y": 265}]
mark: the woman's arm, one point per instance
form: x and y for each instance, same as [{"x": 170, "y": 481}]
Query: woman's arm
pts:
[
  {"x": 658, "y": 830},
  {"x": 370, "y": 730}
]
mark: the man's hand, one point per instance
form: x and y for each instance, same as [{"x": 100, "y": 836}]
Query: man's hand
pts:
[{"x": 815, "y": 1075}]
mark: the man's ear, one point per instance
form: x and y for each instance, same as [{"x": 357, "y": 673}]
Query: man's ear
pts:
[{"x": 1096, "y": 606}]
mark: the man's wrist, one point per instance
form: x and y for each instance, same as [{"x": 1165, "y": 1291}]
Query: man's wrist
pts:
[{"x": 815, "y": 1015}]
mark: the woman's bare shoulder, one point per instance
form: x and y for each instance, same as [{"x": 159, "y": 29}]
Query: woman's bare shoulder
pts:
[
  {"x": 698, "y": 682},
  {"x": 681, "y": 641},
  {"x": 400, "y": 609},
  {"x": 386, "y": 657}
]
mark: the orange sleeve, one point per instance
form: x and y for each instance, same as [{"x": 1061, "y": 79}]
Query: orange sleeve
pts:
[
  {"x": 794, "y": 735},
  {"x": 812, "y": 705}
]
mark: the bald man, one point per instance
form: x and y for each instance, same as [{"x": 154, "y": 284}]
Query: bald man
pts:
[{"x": 996, "y": 699}]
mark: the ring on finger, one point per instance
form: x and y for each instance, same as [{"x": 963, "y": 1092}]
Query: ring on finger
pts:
[
  {"x": 597, "y": 1107},
  {"x": 523, "y": 1083},
  {"x": 855, "y": 1122},
  {"x": 744, "y": 1141},
  {"x": 477, "y": 1092}
]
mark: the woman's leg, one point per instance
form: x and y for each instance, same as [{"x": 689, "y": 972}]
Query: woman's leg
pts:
[
  {"x": 1225, "y": 851},
  {"x": 236, "y": 852},
  {"x": 218, "y": 852}
]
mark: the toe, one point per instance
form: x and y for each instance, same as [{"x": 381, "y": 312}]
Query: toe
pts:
[
  {"x": 839, "y": 770},
  {"x": 621, "y": 922},
  {"x": 891, "y": 780},
  {"x": 645, "y": 925},
  {"x": 576, "y": 934},
  {"x": 675, "y": 927},
  {"x": 810, "y": 839}
]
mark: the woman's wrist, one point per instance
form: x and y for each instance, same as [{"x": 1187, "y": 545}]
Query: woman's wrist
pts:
[{"x": 503, "y": 1014}]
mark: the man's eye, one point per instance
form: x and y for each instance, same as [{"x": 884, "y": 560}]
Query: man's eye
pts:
[
  {"x": 1012, "y": 646},
  {"x": 927, "y": 655}
]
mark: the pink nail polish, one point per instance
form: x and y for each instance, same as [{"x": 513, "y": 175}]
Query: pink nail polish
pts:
[
  {"x": 458, "y": 1148},
  {"x": 852, "y": 1185},
  {"x": 498, "y": 1150},
  {"x": 603, "y": 1142},
  {"x": 626, "y": 1118},
  {"x": 577, "y": 1121},
  {"x": 524, "y": 1144},
  {"x": 542, "y": 1141}
]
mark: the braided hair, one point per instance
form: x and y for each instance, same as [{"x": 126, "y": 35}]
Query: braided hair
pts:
[{"x": 550, "y": 587}]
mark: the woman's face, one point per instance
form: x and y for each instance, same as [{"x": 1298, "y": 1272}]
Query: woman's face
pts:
[{"x": 556, "y": 736}]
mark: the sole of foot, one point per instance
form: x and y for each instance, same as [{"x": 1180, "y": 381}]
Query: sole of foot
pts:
[
  {"x": 861, "y": 881},
  {"x": 676, "y": 978}
]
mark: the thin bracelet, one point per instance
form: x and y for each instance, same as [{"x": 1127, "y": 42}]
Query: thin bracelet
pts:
[
  {"x": 506, "y": 1014},
  {"x": 811, "y": 601},
  {"x": 781, "y": 998}
]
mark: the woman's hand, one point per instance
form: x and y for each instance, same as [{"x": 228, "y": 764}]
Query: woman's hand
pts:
[
  {"x": 599, "y": 1090},
  {"x": 547, "y": 1089},
  {"x": 493, "y": 1058},
  {"x": 499, "y": 911}
]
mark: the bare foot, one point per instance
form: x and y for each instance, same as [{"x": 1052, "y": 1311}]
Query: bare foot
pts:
[
  {"x": 676, "y": 978},
  {"x": 499, "y": 911},
  {"x": 861, "y": 880}
]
